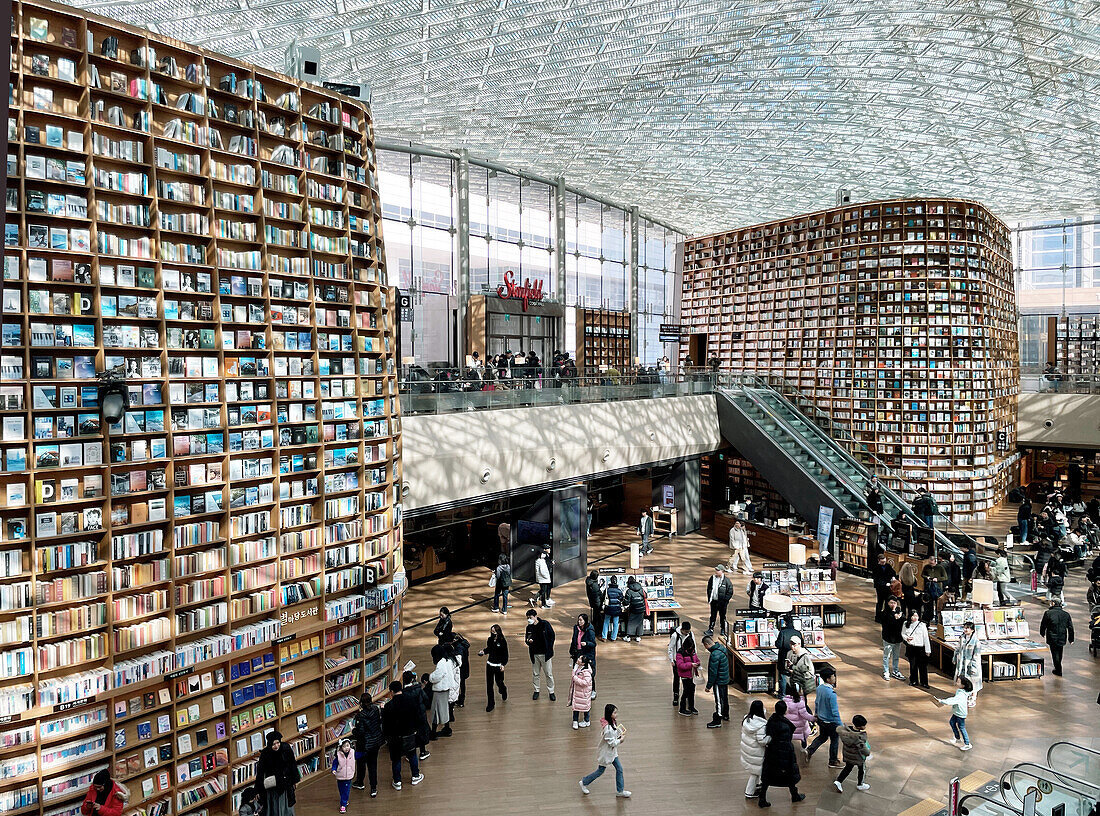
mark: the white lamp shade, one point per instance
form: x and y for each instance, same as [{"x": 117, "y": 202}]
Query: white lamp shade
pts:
[
  {"x": 797, "y": 554},
  {"x": 982, "y": 593},
  {"x": 774, "y": 602}
]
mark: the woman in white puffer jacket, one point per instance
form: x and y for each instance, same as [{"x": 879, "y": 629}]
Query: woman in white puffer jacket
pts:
[{"x": 753, "y": 740}]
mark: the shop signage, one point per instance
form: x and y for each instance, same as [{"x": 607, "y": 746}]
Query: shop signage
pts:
[
  {"x": 405, "y": 307},
  {"x": 302, "y": 616},
  {"x": 668, "y": 496},
  {"x": 670, "y": 332},
  {"x": 528, "y": 293}
]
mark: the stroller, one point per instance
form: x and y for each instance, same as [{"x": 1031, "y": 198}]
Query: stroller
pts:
[{"x": 1094, "y": 630}]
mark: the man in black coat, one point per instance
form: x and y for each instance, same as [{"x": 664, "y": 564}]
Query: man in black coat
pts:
[
  {"x": 882, "y": 573},
  {"x": 719, "y": 592},
  {"x": 400, "y": 723},
  {"x": 539, "y": 637},
  {"x": 595, "y": 599},
  {"x": 1057, "y": 626},
  {"x": 783, "y": 644},
  {"x": 1023, "y": 518}
]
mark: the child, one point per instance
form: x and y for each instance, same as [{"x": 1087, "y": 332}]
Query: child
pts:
[
  {"x": 250, "y": 803},
  {"x": 856, "y": 751},
  {"x": 607, "y": 753},
  {"x": 687, "y": 664},
  {"x": 959, "y": 708},
  {"x": 580, "y": 692},
  {"x": 343, "y": 768}
]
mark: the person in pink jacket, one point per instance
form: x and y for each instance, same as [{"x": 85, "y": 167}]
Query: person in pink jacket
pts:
[
  {"x": 687, "y": 666},
  {"x": 343, "y": 768},
  {"x": 798, "y": 713},
  {"x": 580, "y": 692}
]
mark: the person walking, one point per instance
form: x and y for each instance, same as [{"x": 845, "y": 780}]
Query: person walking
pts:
[
  {"x": 343, "y": 768},
  {"x": 442, "y": 679},
  {"x": 882, "y": 574},
  {"x": 783, "y": 639},
  {"x": 645, "y": 530},
  {"x": 675, "y": 643},
  {"x": 719, "y": 593},
  {"x": 583, "y": 643},
  {"x": 580, "y": 692},
  {"x": 1056, "y": 580},
  {"x": 718, "y": 680},
  {"x": 544, "y": 578},
  {"x": 277, "y": 773},
  {"x": 739, "y": 544},
  {"x": 399, "y": 724},
  {"x": 635, "y": 603},
  {"x": 960, "y": 705},
  {"x": 539, "y": 638},
  {"x": 105, "y": 797},
  {"x": 917, "y": 649},
  {"x": 496, "y": 658},
  {"x": 780, "y": 768},
  {"x": 853, "y": 738},
  {"x": 1002, "y": 577},
  {"x": 366, "y": 731},
  {"x": 967, "y": 660},
  {"x": 753, "y": 740},
  {"x": 687, "y": 666},
  {"x": 798, "y": 712},
  {"x": 612, "y": 609},
  {"x": 595, "y": 599},
  {"x": 607, "y": 752},
  {"x": 827, "y": 714},
  {"x": 893, "y": 620},
  {"x": 800, "y": 666},
  {"x": 502, "y": 584},
  {"x": 1057, "y": 627}
]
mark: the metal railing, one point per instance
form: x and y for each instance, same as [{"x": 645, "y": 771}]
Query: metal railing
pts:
[
  {"x": 443, "y": 396},
  {"x": 1040, "y": 379}
]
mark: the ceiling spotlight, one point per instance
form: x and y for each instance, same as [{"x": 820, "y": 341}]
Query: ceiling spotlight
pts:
[
  {"x": 485, "y": 474},
  {"x": 553, "y": 463}
]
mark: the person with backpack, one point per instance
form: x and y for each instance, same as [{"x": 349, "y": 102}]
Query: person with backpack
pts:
[
  {"x": 635, "y": 603},
  {"x": 853, "y": 738},
  {"x": 679, "y": 635},
  {"x": 718, "y": 680},
  {"x": 366, "y": 731},
  {"x": 496, "y": 658},
  {"x": 502, "y": 584},
  {"x": 935, "y": 583},
  {"x": 1056, "y": 580},
  {"x": 612, "y": 609}
]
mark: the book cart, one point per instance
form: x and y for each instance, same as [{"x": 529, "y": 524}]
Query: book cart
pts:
[
  {"x": 226, "y": 558},
  {"x": 1008, "y": 652},
  {"x": 664, "y": 614},
  {"x": 752, "y": 644}
]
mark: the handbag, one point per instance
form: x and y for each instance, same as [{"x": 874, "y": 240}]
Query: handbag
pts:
[
  {"x": 493, "y": 579},
  {"x": 408, "y": 743},
  {"x": 269, "y": 782}
]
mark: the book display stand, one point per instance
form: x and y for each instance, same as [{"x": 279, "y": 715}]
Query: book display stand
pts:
[
  {"x": 1007, "y": 647},
  {"x": 657, "y": 582},
  {"x": 752, "y": 645},
  {"x": 812, "y": 591},
  {"x": 226, "y": 557}
]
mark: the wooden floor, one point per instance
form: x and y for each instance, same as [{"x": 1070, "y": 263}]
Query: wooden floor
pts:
[{"x": 524, "y": 758}]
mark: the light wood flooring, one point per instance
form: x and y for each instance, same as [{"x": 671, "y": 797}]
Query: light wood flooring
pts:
[{"x": 524, "y": 758}]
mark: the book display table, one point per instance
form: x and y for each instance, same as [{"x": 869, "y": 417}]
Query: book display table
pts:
[{"x": 1008, "y": 652}]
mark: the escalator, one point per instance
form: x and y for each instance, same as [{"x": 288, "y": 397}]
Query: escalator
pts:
[{"x": 802, "y": 456}]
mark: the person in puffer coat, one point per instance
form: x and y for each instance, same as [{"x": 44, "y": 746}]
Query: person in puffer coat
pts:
[
  {"x": 580, "y": 693},
  {"x": 753, "y": 741},
  {"x": 856, "y": 752},
  {"x": 798, "y": 712}
]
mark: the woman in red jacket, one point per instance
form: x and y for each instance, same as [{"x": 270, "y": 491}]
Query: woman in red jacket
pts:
[{"x": 105, "y": 798}]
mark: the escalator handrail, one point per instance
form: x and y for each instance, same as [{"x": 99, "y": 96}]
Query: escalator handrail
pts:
[
  {"x": 813, "y": 478},
  {"x": 1074, "y": 745},
  {"x": 813, "y": 453},
  {"x": 982, "y": 797},
  {"x": 1064, "y": 779}
]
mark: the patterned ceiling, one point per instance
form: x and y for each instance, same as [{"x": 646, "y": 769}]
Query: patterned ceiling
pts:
[{"x": 710, "y": 114}]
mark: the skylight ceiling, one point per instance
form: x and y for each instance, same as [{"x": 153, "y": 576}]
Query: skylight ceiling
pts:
[{"x": 711, "y": 115}]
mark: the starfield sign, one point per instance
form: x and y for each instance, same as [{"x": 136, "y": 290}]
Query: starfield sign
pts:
[{"x": 528, "y": 293}]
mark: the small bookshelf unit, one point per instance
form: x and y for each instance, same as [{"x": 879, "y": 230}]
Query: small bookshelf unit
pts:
[
  {"x": 854, "y": 540},
  {"x": 603, "y": 339},
  {"x": 897, "y": 318},
  {"x": 226, "y": 558}
]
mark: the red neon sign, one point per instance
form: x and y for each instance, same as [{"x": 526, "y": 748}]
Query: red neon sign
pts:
[{"x": 527, "y": 293}]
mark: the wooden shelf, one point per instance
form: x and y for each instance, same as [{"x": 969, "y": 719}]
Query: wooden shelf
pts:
[
  {"x": 897, "y": 318},
  {"x": 603, "y": 339},
  {"x": 257, "y": 340}
]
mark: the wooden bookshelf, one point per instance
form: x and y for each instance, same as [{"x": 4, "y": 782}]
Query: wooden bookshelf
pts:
[
  {"x": 603, "y": 339},
  {"x": 854, "y": 539},
  {"x": 898, "y": 318},
  {"x": 227, "y": 558}
]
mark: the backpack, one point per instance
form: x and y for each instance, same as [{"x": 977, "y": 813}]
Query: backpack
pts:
[
  {"x": 504, "y": 576},
  {"x": 930, "y": 503},
  {"x": 933, "y": 591}
]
